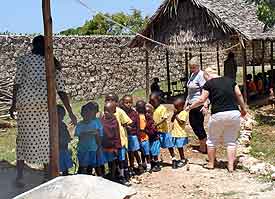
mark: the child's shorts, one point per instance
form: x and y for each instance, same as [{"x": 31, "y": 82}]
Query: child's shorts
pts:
[
  {"x": 100, "y": 158},
  {"x": 180, "y": 142},
  {"x": 133, "y": 143},
  {"x": 166, "y": 140},
  {"x": 155, "y": 148},
  {"x": 122, "y": 154},
  {"x": 109, "y": 156},
  {"x": 65, "y": 160},
  {"x": 145, "y": 147},
  {"x": 87, "y": 159}
]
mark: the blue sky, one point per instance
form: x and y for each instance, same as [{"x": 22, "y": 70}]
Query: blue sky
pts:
[{"x": 25, "y": 16}]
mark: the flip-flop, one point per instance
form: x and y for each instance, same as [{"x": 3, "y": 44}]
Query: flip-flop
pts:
[{"x": 206, "y": 166}]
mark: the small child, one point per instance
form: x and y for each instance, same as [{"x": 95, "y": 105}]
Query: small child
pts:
[
  {"x": 132, "y": 131},
  {"x": 144, "y": 135},
  {"x": 65, "y": 159},
  {"x": 123, "y": 121},
  {"x": 111, "y": 138},
  {"x": 180, "y": 137},
  {"x": 154, "y": 139},
  {"x": 89, "y": 131},
  {"x": 160, "y": 117}
]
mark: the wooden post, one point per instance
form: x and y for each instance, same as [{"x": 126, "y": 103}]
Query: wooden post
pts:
[
  {"x": 253, "y": 58},
  {"x": 147, "y": 75},
  {"x": 244, "y": 71},
  {"x": 186, "y": 68},
  {"x": 218, "y": 60},
  {"x": 51, "y": 88},
  {"x": 263, "y": 52},
  {"x": 271, "y": 61},
  {"x": 201, "y": 58},
  {"x": 168, "y": 72}
]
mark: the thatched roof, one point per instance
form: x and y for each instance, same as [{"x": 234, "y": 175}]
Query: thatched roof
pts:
[{"x": 188, "y": 23}]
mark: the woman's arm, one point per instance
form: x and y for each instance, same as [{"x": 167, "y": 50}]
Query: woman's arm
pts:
[
  {"x": 203, "y": 98},
  {"x": 65, "y": 99},
  {"x": 240, "y": 100},
  {"x": 13, "y": 105}
]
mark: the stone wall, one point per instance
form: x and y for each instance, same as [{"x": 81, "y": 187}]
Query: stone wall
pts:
[{"x": 96, "y": 65}]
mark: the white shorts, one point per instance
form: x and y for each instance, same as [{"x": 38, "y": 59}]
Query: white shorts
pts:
[{"x": 223, "y": 126}]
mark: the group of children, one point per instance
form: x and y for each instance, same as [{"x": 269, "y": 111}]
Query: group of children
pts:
[{"x": 123, "y": 134}]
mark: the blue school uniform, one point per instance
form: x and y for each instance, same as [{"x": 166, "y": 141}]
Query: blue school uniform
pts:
[
  {"x": 166, "y": 140},
  {"x": 65, "y": 160},
  {"x": 87, "y": 147},
  {"x": 155, "y": 147},
  {"x": 145, "y": 147},
  {"x": 133, "y": 143}
]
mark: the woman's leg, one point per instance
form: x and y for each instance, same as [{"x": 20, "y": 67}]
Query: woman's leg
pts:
[
  {"x": 231, "y": 155},
  {"x": 196, "y": 119},
  {"x": 211, "y": 151}
]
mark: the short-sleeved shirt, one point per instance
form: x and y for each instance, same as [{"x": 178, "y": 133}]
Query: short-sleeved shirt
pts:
[
  {"x": 161, "y": 113},
  {"x": 142, "y": 125},
  {"x": 194, "y": 85},
  {"x": 178, "y": 130},
  {"x": 221, "y": 94},
  {"x": 122, "y": 119},
  {"x": 86, "y": 131}
]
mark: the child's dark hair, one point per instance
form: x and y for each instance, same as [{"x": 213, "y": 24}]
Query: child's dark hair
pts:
[
  {"x": 140, "y": 106},
  {"x": 156, "y": 94},
  {"x": 179, "y": 100},
  {"x": 88, "y": 107},
  {"x": 96, "y": 106},
  {"x": 112, "y": 96},
  {"x": 61, "y": 110}
]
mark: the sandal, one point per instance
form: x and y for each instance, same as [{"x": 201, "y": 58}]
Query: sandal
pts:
[{"x": 206, "y": 166}]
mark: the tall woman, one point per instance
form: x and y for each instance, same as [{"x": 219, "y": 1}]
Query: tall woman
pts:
[
  {"x": 196, "y": 115},
  {"x": 30, "y": 102},
  {"x": 224, "y": 95}
]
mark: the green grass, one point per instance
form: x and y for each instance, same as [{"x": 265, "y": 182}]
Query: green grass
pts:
[
  {"x": 7, "y": 145},
  {"x": 262, "y": 145}
]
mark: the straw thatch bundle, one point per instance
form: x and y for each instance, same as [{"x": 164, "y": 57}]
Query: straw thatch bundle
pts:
[
  {"x": 189, "y": 23},
  {"x": 5, "y": 97}
]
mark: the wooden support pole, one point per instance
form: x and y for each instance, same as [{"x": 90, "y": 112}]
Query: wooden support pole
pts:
[
  {"x": 168, "y": 72},
  {"x": 263, "y": 52},
  {"x": 271, "y": 61},
  {"x": 186, "y": 68},
  {"x": 218, "y": 60},
  {"x": 147, "y": 74},
  {"x": 244, "y": 72},
  {"x": 51, "y": 89},
  {"x": 201, "y": 58},
  {"x": 253, "y": 58}
]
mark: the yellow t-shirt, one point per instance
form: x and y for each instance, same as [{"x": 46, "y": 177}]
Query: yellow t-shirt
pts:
[
  {"x": 161, "y": 113},
  {"x": 178, "y": 130},
  {"x": 122, "y": 119}
]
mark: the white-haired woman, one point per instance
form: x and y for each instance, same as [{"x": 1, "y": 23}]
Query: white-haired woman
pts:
[
  {"x": 196, "y": 115},
  {"x": 224, "y": 95}
]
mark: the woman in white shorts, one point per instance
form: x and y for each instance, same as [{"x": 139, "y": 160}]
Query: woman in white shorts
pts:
[{"x": 224, "y": 95}]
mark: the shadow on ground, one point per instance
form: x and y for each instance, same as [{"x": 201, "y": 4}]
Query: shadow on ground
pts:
[{"x": 8, "y": 187}]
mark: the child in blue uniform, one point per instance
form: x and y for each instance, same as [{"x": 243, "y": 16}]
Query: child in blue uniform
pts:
[
  {"x": 89, "y": 131},
  {"x": 65, "y": 159},
  {"x": 180, "y": 138},
  {"x": 160, "y": 117},
  {"x": 132, "y": 132}
]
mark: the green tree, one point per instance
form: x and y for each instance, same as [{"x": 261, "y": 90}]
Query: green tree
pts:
[
  {"x": 266, "y": 12},
  {"x": 100, "y": 25}
]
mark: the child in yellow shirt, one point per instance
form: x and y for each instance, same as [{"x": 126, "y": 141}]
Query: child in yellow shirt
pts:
[
  {"x": 180, "y": 138},
  {"x": 123, "y": 121},
  {"x": 160, "y": 117}
]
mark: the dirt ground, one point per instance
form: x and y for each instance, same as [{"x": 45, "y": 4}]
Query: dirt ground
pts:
[{"x": 191, "y": 181}]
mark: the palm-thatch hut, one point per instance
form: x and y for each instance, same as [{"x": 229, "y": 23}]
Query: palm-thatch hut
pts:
[{"x": 198, "y": 24}]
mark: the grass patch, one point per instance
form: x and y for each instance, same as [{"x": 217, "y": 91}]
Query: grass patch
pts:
[
  {"x": 262, "y": 144},
  {"x": 7, "y": 145}
]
